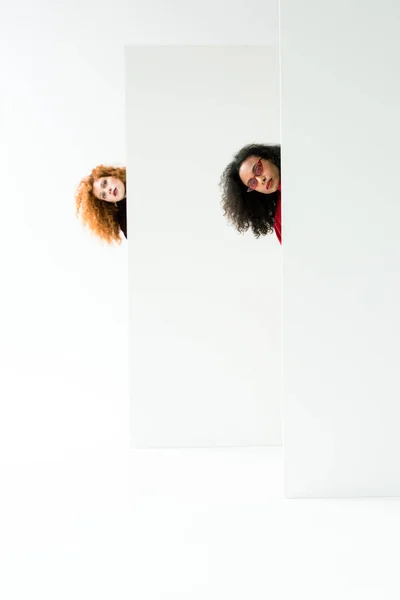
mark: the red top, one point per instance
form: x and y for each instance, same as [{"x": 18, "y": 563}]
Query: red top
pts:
[{"x": 277, "y": 221}]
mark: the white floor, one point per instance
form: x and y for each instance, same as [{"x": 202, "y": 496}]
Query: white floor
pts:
[{"x": 192, "y": 524}]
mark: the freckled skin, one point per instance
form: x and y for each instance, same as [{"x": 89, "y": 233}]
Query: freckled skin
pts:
[{"x": 109, "y": 189}]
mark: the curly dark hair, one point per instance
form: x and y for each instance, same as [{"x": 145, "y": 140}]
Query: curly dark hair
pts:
[{"x": 244, "y": 210}]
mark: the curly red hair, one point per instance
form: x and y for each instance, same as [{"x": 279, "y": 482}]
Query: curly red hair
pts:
[{"x": 97, "y": 215}]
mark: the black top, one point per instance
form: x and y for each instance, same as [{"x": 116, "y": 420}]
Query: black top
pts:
[{"x": 121, "y": 216}]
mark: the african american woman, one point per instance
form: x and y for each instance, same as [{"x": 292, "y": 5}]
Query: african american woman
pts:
[{"x": 251, "y": 190}]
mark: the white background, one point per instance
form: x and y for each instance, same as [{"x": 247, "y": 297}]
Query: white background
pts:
[
  {"x": 196, "y": 523},
  {"x": 341, "y": 260},
  {"x": 205, "y": 303}
]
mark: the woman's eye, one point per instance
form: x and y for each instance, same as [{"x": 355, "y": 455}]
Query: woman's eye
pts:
[
  {"x": 258, "y": 170},
  {"x": 104, "y": 182},
  {"x": 103, "y": 196},
  {"x": 253, "y": 183}
]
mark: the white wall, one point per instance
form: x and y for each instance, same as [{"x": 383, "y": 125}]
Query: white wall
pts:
[
  {"x": 63, "y": 112},
  {"x": 341, "y": 253},
  {"x": 64, "y": 410},
  {"x": 205, "y": 302}
]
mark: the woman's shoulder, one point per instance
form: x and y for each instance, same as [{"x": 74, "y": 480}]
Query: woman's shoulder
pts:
[{"x": 121, "y": 216}]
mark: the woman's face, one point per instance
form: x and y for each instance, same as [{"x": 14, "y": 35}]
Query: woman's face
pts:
[
  {"x": 109, "y": 189},
  {"x": 259, "y": 174}
]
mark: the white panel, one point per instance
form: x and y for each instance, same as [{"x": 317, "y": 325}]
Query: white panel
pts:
[
  {"x": 341, "y": 252},
  {"x": 205, "y": 362}
]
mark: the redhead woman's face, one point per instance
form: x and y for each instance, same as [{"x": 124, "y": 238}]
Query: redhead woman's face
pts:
[
  {"x": 109, "y": 189},
  {"x": 260, "y": 175}
]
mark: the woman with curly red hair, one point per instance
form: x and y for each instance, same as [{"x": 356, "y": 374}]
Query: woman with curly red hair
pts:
[{"x": 101, "y": 203}]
